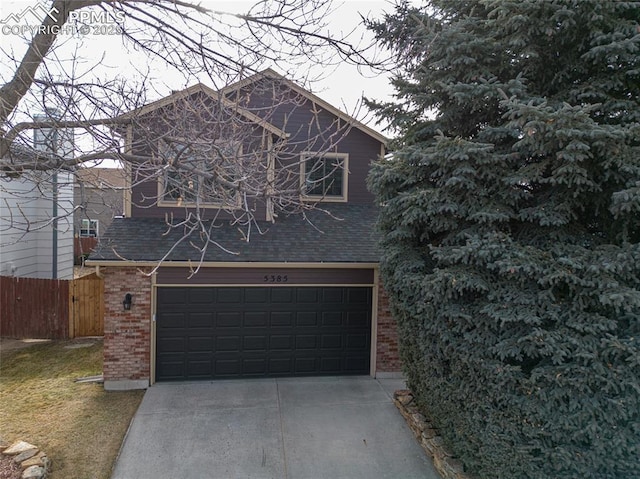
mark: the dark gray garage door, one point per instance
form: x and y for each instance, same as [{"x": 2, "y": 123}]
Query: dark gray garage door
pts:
[{"x": 205, "y": 332}]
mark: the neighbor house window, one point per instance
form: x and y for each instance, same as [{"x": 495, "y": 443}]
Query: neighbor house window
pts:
[
  {"x": 323, "y": 176},
  {"x": 89, "y": 229},
  {"x": 180, "y": 187}
]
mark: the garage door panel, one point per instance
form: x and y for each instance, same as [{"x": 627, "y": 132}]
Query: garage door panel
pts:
[
  {"x": 172, "y": 320},
  {"x": 226, "y": 332},
  {"x": 307, "y": 295},
  {"x": 228, "y": 343},
  {"x": 358, "y": 295},
  {"x": 201, "y": 296},
  {"x": 357, "y": 319},
  {"x": 255, "y": 343},
  {"x": 229, "y": 320},
  {"x": 227, "y": 367},
  {"x": 254, "y": 366},
  {"x": 170, "y": 344},
  {"x": 357, "y": 341},
  {"x": 281, "y": 318},
  {"x": 256, "y": 319},
  {"x": 229, "y": 295},
  {"x": 282, "y": 295},
  {"x": 332, "y": 318},
  {"x": 307, "y": 318},
  {"x": 200, "y": 320},
  {"x": 306, "y": 341},
  {"x": 331, "y": 341},
  {"x": 173, "y": 296},
  {"x": 332, "y": 295},
  {"x": 356, "y": 363},
  {"x": 329, "y": 364},
  {"x": 281, "y": 342},
  {"x": 256, "y": 295},
  {"x": 306, "y": 365},
  {"x": 200, "y": 368},
  {"x": 201, "y": 343},
  {"x": 280, "y": 366},
  {"x": 172, "y": 367}
]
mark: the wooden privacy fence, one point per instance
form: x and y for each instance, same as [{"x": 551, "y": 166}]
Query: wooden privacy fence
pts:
[
  {"x": 34, "y": 308},
  {"x": 51, "y": 308}
]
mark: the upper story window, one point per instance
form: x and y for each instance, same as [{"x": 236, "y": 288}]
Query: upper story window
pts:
[
  {"x": 89, "y": 228},
  {"x": 203, "y": 176},
  {"x": 324, "y": 176}
]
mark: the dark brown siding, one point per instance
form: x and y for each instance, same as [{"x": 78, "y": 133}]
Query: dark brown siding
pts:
[
  {"x": 319, "y": 131},
  {"x": 310, "y": 129},
  {"x": 266, "y": 276},
  {"x": 142, "y": 208}
]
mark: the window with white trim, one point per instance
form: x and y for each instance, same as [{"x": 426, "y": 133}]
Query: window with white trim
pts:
[
  {"x": 89, "y": 228},
  {"x": 324, "y": 176}
]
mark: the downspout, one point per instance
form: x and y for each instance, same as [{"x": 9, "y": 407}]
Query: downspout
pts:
[{"x": 54, "y": 252}]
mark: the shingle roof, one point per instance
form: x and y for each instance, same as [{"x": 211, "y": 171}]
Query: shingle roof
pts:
[{"x": 347, "y": 235}]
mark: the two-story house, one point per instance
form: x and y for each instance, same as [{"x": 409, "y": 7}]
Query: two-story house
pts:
[
  {"x": 36, "y": 206},
  {"x": 98, "y": 197},
  {"x": 301, "y": 297}
]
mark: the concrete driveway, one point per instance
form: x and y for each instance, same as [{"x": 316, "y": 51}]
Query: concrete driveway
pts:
[{"x": 299, "y": 428}]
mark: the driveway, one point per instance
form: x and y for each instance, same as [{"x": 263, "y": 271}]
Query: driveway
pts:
[{"x": 294, "y": 428}]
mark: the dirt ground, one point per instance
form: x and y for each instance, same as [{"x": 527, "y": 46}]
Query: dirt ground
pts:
[{"x": 7, "y": 344}]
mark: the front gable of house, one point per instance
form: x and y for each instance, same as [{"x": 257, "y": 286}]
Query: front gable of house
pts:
[{"x": 289, "y": 147}]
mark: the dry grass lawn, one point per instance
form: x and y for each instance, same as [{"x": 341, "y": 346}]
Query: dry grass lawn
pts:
[{"x": 79, "y": 426}]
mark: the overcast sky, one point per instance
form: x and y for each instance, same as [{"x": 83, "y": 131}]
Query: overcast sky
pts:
[{"x": 343, "y": 86}]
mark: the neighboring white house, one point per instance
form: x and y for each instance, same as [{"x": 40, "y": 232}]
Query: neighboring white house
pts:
[{"x": 36, "y": 215}]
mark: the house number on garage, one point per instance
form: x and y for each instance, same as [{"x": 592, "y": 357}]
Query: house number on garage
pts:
[{"x": 275, "y": 278}]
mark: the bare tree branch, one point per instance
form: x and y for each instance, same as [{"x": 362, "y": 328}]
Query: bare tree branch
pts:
[{"x": 205, "y": 152}]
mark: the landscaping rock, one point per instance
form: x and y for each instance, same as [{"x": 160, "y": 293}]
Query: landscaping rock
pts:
[
  {"x": 23, "y": 456},
  {"x": 404, "y": 396},
  {"x": 19, "y": 447},
  {"x": 40, "y": 460},
  {"x": 33, "y": 472},
  {"x": 443, "y": 460},
  {"x": 26, "y": 457}
]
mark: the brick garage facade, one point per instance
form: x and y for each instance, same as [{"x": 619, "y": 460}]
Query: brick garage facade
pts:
[
  {"x": 387, "y": 355},
  {"x": 127, "y": 334}
]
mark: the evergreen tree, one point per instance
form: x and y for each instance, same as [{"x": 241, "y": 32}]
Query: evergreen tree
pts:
[{"x": 511, "y": 229}]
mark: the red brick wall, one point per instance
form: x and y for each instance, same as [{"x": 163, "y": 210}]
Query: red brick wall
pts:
[
  {"x": 387, "y": 356},
  {"x": 127, "y": 334}
]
